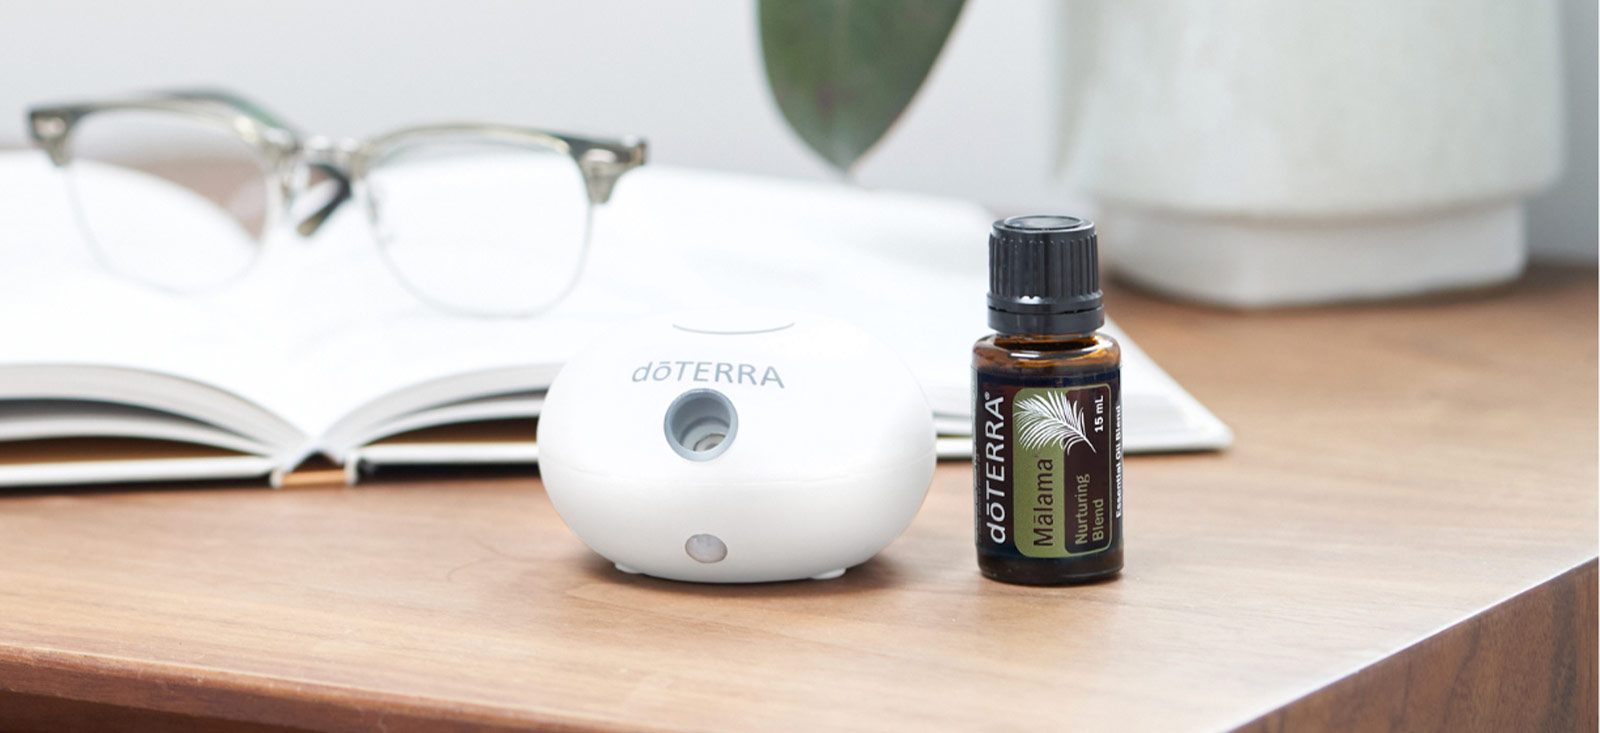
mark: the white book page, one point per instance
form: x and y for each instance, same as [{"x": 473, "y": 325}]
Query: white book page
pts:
[
  {"x": 320, "y": 330},
  {"x": 58, "y": 307},
  {"x": 26, "y": 420},
  {"x": 188, "y": 468},
  {"x": 316, "y": 330}
]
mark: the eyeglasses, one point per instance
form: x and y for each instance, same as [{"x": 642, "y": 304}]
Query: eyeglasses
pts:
[{"x": 179, "y": 190}]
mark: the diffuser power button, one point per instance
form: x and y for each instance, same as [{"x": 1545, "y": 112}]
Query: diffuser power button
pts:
[{"x": 706, "y": 548}]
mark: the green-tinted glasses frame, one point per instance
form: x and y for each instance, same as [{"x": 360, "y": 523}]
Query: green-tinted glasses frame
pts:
[{"x": 291, "y": 157}]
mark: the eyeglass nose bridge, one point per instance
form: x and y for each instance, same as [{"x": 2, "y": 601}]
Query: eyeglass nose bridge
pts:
[
  {"x": 334, "y": 158},
  {"x": 337, "y": 152}
]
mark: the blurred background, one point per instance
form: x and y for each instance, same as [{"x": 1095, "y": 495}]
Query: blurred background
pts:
[{"x": 987, "y": 125}]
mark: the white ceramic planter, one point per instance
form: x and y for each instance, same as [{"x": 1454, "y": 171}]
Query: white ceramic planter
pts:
[{"x": 1257, "y": 153}]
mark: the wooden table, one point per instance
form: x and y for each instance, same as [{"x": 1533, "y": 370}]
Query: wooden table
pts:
[{"x": 1403, "y": 538}]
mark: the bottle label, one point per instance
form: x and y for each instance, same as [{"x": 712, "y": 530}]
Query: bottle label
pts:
[{"x": 1048, "y": 464}]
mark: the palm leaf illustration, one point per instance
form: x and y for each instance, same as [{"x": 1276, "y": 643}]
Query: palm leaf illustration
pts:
[{"x": 1048, "y": 419}]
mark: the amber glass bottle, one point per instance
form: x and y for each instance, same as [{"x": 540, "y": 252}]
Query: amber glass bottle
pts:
[{"x": 1047, "y": 410}]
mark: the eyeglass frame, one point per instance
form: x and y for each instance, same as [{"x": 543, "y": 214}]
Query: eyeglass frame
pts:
[{"x": 289, "y": 156}]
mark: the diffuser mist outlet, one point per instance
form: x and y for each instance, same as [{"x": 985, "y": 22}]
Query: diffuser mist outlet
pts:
[{"x": 736, "y": 447}]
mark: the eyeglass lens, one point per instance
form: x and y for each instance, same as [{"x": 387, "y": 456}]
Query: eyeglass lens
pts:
[
  {"x": 481, "y": 226},
  {"x": 171, "y": 201}
]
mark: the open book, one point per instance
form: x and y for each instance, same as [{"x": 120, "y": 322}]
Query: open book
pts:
[{"x": 320, "y": 351}]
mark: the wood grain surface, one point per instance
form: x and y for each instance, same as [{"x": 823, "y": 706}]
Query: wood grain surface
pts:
[{"x": 1402, "y": 539}]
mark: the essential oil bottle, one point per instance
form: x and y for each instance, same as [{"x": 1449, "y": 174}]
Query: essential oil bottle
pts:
[{"x": 1047, "y": 410}]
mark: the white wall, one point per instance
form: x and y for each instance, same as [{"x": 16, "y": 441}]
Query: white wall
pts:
[{"x": 686, "y": 74}]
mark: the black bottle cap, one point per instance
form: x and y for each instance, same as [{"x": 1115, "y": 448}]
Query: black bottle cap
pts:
[{"x": 1044, "y": 275}]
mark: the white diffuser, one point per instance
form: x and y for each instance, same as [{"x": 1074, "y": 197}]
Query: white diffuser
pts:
[{"x": 736, "y": 448}]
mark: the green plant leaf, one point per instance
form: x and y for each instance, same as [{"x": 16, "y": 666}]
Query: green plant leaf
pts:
[{"x": 843, "y": 71}]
